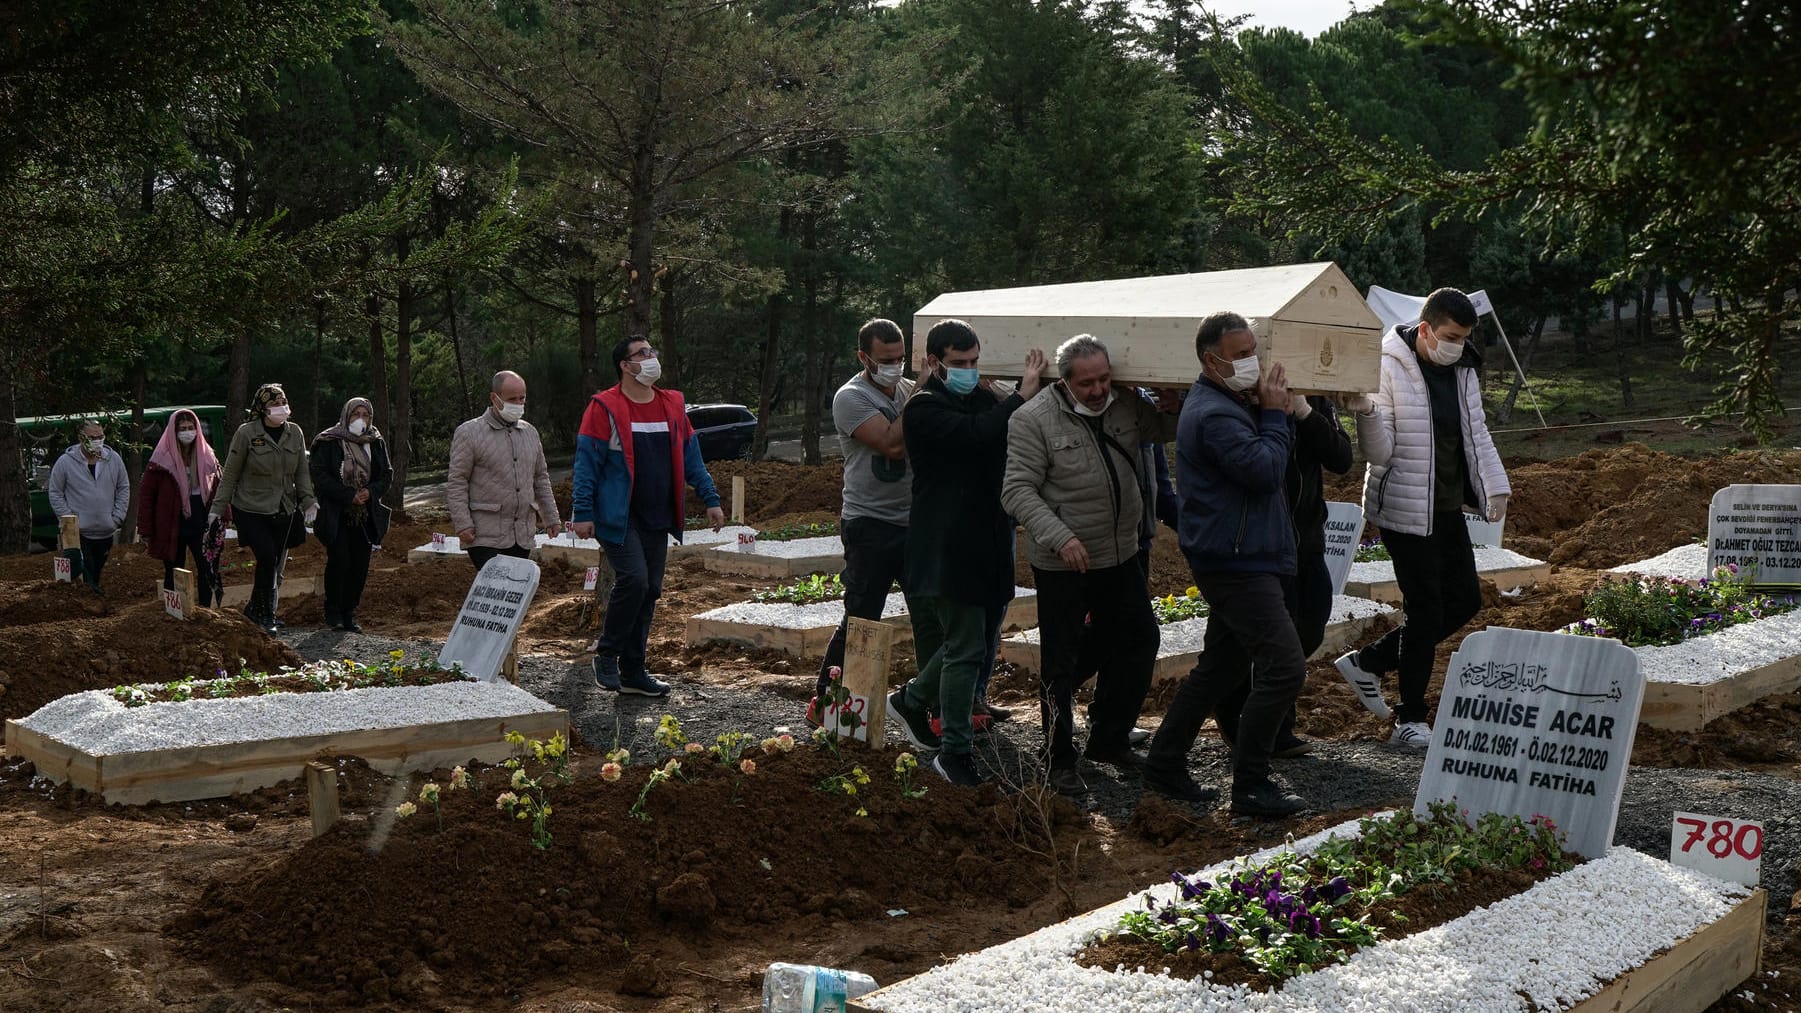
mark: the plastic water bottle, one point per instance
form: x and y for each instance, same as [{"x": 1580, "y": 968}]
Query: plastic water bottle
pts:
[{"x": 803, "y": 988}]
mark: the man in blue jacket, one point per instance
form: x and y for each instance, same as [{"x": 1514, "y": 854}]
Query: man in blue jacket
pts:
[
  {"x": 1233, "y": 442},
  {"x": 634, "y": 455}
]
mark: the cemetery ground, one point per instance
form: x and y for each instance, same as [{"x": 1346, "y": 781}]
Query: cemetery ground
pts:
[{"x": 229, "y": 904}]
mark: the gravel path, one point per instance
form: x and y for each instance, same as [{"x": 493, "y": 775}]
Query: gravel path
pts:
[{"x": 1337, "y": 775}]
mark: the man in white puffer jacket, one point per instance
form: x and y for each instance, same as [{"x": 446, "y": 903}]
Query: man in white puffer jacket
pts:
[{"x": 1430, "y": 455}]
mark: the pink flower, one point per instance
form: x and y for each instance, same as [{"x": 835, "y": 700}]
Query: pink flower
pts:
[
  {"x": 611, "y": 771},
  {"x": 748, "y": 766}
]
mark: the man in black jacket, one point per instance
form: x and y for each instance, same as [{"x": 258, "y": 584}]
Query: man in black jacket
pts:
[
  {"x": 959, "y": 540},
  {"x": 1320, "y": 444}
]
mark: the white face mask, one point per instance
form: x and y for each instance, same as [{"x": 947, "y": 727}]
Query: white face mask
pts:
[
  {"x": 649, "y": 370},
  {"x": 358, "y": 427},
  {"x": 1445, "y": 353},
  {"x": 1245, "y": 372},
  {"x": 1082, "y": 409},
  {"x": 279, "y": 414},
  {"x": 93, "y": 446},
  {"x": 185, "y": 435},
  {"x": 510, "y": 412},
  {"x": 888, "y": 374}
]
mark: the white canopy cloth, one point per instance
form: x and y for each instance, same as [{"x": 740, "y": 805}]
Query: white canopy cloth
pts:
[{"x": 1399, "y": 308}]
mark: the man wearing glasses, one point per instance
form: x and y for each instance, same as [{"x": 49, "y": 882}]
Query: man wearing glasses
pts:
[{"x": 635, "y": 456}]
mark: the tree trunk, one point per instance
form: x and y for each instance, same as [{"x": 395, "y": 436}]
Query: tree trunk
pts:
[
  {"x": 318, "y": 420},
  {"x": 134, "y": 446},
  {"x": 237, "y": 369},
  {"x": 1619, "y": 352},
  {"x": 640, "y": 271},
  {"x": 378, "y": 362},
  {"x": 772, "y": 341},
  {"x": 400, "y": 424},
  {"x": 15, "y": 481},
  {"x": 1505, "y": 413},
  {"x": 669, "y": 327},
  {"x": 587, "y": 327},
  {"x": 1672, "y": 295},
  {"x": 456, "y": 346},
  {"x": 1647, "y": 312},
  {"x": 813, "y": 378}
]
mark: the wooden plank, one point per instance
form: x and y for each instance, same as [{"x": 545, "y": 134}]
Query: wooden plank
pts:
[
  {"x": 579, "y": 556},
  {"x": 1321, "y": 358},
  {"x": 235, "y": 595},
  {"x": 1506, "y": 579},
  {"x": 752, "y": 564},
  {"x": 737, "y": 499},
  {"x": 322, "y": 795},
  {"x": 428, "y": 555},
  {"x": 868, "y": 646},
  {"x": 1022, "y": 614},
  {"x": 1693, "y": 974},
  {"x": 1339, "y": 636},
  {"x": 1686, "y": 708},
  {"x": 68, "y": 532},
  {"x": 1686, "y": 978},
  {"x": 786, "y": 639}
]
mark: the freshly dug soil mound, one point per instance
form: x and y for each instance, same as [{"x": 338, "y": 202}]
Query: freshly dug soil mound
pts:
[
  {"x": 423, "y": 598},
  {"x": 82, "y": 649},
  {"x": 774, "y": 488},
  {"x": 129, "y": 574},
  {"x": 474, "y": 909}
]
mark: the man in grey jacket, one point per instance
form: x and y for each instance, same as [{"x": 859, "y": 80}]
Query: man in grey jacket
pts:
[
  {"x": 89, "y": 481},
  {"x": 498, "y": 488},
  {"x": 1072, "y": 481}
]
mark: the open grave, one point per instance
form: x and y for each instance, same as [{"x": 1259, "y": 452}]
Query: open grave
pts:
[
  {"x": 1179, "y": 645},
  {"x": 199, "y": 744},
  {"x": 804, "y": 630}
]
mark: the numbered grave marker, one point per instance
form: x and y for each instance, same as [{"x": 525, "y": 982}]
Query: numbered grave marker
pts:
[
  {"x": 747, "y": 540},
  {"x": 1536, "y": 724},
  {"x": 63, "y": 568},
  {"x": 1344, "y": 524},
  {"x": 591, "y": 578},
  {"x": 437, "y": 542},
  {"x": 569, "y": 532},
  {"x": 1722, "y": 848}
]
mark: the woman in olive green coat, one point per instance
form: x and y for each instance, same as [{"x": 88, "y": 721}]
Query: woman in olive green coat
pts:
[{"x": 269, "y": 490}]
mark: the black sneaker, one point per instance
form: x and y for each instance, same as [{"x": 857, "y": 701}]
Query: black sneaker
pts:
[
  {"x": 1066, "y": 781},
  {"x": 1123, "y": 757},
  {"x": 914, "y": 724},
  {"x": 1290, "y": 746},
  {"x": 1266, "y": 799},
  {"x": 642, "y": 684},
  {"x": 606, "y": 672},
  {"x": 1138, "y": 736},
  {"x": 995, "y": 714},
  {"x": 351, "y": 625},
  {"x": 957, "y": 768},
  {"x": 1177, "y": 785}
]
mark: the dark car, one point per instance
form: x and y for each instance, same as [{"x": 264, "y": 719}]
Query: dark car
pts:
[{"x": 725, "y": 430}]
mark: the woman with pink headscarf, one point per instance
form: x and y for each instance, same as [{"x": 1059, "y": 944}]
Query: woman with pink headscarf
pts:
[{"x": 177, "y": 492}]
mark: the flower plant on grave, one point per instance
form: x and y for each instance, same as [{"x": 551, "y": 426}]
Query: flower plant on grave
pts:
[
  {"x": 1650, "y": 611},
  {"x": 1293, "y": 913},
  {"x": 313, "y": 677},
  {"x": 1371, "y": 550},
  {"x": 790, "y": 532},
  {"x": 529, "y": 799},
  {"x": 1173, "y": 608},
  {"x": 808, "y": 590}
]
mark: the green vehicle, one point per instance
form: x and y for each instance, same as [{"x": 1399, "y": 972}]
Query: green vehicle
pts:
[{"x": 43, "y": 438}]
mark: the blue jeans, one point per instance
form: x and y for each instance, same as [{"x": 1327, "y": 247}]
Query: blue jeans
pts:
[{"x": 637, "y": 584}]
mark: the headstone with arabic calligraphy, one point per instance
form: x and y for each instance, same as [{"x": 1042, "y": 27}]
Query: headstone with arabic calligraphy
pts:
[{"x": 1537, "y": 724}]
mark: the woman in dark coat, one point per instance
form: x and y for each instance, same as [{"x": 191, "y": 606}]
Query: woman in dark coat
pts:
[
  {"x": 350, "y": 475},
  {"x": 173, "y": 501}
]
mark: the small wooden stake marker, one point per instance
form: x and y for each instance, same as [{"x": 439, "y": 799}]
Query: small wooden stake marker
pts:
[
  {"x": 178, "y": 602},
  {"x": 867, "y": 646},
  {"x": 509, "y": 667},
  {"x": 737, "y": 499},
  {"x": 68, "y": 546},
  {"x": 322, "y": 795}
]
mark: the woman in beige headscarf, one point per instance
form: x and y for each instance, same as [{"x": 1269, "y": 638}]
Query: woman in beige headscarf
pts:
[{"x": 351, "y": 474}]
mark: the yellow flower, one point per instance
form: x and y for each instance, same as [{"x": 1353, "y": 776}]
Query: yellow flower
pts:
[
  {"x": 620, "y": 756},
  {"x": 849, "y": 788},
  {"x": 769, "y": 745},
  {"x": 397, "y": 654},
  {"x": 748, "y": 766},
  {"x": 429, "y": 793},
  {"x": 557, "y": 745},
  {"x": 519, "y": 779},
  {"x": 857, "y": 772},
  {"x": 1193, "y": 592},
  {"x": 405, "y": 809},
  {"x": 862, "y": 811},
  {"x": 611, "y": 771},
  {"x": 517, "y": 738},
  {"x": 519, "y": 815}
]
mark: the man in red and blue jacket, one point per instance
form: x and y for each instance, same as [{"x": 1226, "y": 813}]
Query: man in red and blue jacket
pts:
[{"x": 634, "y": 457}]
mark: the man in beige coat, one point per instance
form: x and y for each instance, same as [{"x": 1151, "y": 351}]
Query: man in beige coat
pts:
[
  {"x": 499, "y": 484},
  {"x": 1072, "y": 482}
]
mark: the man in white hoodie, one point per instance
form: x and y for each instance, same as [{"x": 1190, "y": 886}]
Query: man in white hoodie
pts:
[
  {"x": 89, "y": 481},
  {"x": 1430, "y": 455}
]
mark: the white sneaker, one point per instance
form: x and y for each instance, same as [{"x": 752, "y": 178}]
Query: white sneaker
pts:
[
  {"x": 1412, "y": 735},
  {"x": 1366, "y": 685}
]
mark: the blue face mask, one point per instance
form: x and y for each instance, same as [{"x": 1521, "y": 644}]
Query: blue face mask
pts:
[{"x": 960, "y": 381}]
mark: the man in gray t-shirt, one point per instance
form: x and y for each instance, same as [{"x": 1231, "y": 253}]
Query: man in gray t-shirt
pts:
[{"x": 878, "y": 487}]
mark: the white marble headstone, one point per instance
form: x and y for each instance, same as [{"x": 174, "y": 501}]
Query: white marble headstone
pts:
[
  {"x": 1758, "y": 529},
  {"x": 1484, "y": 531},
  {"x": 1344, "y": 525},
  {"x": 1537, "y": 724},
  {"x": 490, "y": 617}
]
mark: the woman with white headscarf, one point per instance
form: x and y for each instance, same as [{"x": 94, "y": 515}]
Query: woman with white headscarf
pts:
[{"x": 351, "y": 474}]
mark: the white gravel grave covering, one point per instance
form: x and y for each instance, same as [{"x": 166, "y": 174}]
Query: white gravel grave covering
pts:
[
  {"x": 98, "y": 725},
  {"x": 1488, "y": 560},
  {"x": 1729, "y": 653},
  {"x": 1185, "y": 636},
  {"x": 1686, "y": 561},
  {"x": 791, "y": 616},
  {"x": 798, "y": 548},
  {"x": 1559, "y": 942},
  {"x": 709, "y": 537}
]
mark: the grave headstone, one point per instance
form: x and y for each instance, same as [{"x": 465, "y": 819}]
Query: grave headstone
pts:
[
  {"x": 68, "y": 543},
  {"x": 1484, "y": 531},
  {"x": 490, "y": 617},
  {"x": 1344, "y": 523},
  {"x": 1757, "y": 528},
  {"x": 1537, "y": 724},
  {"x": 63, "y": 568}
]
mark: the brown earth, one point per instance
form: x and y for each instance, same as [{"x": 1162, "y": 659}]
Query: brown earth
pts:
[{"x": 101, "y": 883}]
